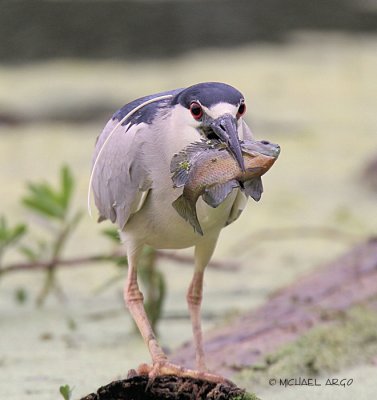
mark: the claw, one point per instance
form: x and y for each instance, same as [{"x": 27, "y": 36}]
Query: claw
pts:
[{"x": 167, "y": 368}]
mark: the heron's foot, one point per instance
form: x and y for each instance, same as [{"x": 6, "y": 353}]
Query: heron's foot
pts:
[{"x": 167, "y": 368}]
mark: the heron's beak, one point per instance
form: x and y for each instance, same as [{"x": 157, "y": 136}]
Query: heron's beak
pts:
[{"x": 225, "y": 127}]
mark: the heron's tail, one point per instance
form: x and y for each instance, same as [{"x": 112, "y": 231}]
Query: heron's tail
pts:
[{"x": 187, "y": 210}]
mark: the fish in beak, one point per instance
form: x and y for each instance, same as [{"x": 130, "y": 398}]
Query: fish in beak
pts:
[
  {"x": 225, "y": 127},
  {"x": 205, "y": 169}
]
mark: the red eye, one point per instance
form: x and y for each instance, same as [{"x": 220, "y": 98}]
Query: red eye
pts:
[
  {"x": 196, "y": 110},
  {"x": 241, "y": 110}
]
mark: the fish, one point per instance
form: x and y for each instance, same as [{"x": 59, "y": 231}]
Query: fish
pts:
[{"x": 206, "y": 168}]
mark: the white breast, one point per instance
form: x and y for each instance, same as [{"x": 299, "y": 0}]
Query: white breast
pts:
[{"x": 157, "y": 222}]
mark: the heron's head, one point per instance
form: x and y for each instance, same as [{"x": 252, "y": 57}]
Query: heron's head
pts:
[{"x": 215, "y": 110}]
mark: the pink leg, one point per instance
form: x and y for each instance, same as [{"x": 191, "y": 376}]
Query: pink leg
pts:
[
  {"x": 134, "y": 300},
  {"x": 203, "y": 254},
  {"x": 194, "y": 300}
]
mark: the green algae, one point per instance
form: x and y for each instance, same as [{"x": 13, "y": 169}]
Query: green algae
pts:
[
  {"x": 185, "y": 165},
  {"x": 349, "y": 340}
]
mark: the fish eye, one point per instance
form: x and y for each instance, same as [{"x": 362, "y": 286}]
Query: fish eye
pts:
[
  {"x": 241, "y": 110},
  {"x": 196, "y": 110}
]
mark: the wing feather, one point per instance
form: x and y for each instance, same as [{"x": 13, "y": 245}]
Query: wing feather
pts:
[{"x": 121, "y": 180}]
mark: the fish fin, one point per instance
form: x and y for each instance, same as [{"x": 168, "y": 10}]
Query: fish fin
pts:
[
  {"x": 101, "y": 218},
  {"x": 180, "y": 166},
  {"x": 180, "y": 177},
  {"x": 203, "y": 145},
  {"x": 216, "y": 194},
  {"x": 254, "y": 188},
  {"x": 187, "y": 211}
]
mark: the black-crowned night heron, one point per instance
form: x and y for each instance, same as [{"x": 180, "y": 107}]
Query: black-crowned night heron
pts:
[{"x": 132, "y": 187}]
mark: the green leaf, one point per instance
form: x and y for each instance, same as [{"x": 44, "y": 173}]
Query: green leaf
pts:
[
  {"x": 44, "y": 190},
  {"x": 67, "y": 185},
  {"x": 121, "y": 261},
  {"x": 48, "y": 201},
  {"x": 18, "y": 231},
  {"x": 38, "y": 252},
  {"x": 44, "y": 200},
  {"x": 72, "y": 324},
  {"x": 75, "y": 220},
  {"x": 44, "y": 206},
  {"x": 66, "y": 392},
  {"x": 21, "y": 295},
  {"x": 112, "y": 234},
  {"x": 10, "y": 235},
  {"x": 29, "y": 253},
  {"x": 3, "y": 229}
]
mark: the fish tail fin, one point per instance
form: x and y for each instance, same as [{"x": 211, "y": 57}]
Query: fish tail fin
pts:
[{"x": 187, "y": 211}]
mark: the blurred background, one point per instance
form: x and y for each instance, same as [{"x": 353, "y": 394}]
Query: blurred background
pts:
[{"x": 308, "y": 73}]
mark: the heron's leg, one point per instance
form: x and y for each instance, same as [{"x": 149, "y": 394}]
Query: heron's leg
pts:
[
  {"x": 134, "y": 300},
  {"x": 194, "y": 299},
  {"x": 203, "y": 253}
]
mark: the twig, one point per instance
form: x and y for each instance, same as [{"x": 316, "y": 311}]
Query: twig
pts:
[
  {"x": 71, "y": 262},
  {"x": 303, "y": 232},
  {"x": 87, "y": 260}
]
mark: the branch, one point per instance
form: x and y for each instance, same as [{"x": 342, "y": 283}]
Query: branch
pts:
[
  {"x": 87, "y": 260},
  {"x": 71, "y": 262},
  {"x": 267, "y": 234}
]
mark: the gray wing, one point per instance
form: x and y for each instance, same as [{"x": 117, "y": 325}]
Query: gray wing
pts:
[{"x": 120, "y": 181}]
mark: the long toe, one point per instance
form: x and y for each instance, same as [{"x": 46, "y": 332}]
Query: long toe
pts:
[{"x": 167, "y": 368}]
